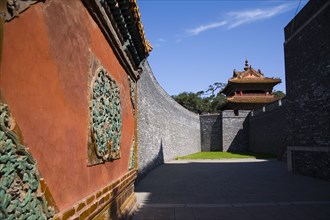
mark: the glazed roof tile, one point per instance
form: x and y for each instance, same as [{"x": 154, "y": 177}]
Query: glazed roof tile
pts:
[
  {"x": 255, "y": 80},
  {"x": 128, "y": 21},
  {"x": 252, "y": 99},
  {"x": 248, "y": 76}
]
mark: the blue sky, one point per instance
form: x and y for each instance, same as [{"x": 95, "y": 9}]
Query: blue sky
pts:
[{"x": 197, "y": 43}]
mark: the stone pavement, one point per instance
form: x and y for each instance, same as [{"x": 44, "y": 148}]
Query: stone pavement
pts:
[{"x": 230, "y": 189}]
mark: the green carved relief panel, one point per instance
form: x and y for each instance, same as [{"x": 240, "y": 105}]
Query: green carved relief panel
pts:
[
  {"x": 132, "y": 92},
  {"x": 20, "y": 193},
  {"x": 132, "y": 160},
  {"x": 105, "y": 117},
  {"x": 132, "y": 155}
]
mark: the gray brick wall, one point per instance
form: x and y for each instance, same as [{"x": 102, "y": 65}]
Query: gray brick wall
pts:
[
  {"x": 225, "y": 131},
  {"x": 268, "y": 129},
  {"x": 312, "y": 163},
  {"x": 235, "y": 132},
  {"x": 211, "y": 132},
  {"x": 165, "y": 128},
  {"x": 307, "y": 66}
]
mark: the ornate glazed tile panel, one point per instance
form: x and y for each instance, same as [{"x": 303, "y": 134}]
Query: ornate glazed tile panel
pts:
[
  {"x": 105, "y": 117},
  {"x": 132, "y": 155},
  {"x": 20, "y": 192},
  {"x": 132, "y": 92}
]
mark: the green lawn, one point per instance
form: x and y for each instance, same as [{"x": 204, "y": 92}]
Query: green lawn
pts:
[{"x": 226, "y": 155}]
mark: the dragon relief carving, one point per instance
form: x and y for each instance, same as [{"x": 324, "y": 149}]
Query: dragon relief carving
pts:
[
  {"x": 106, "y": 120},
  {"x": 20, "y": 193}
]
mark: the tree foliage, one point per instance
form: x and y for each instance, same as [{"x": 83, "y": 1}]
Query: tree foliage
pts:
[
  {"x": 209, "y": 101},
  {"x": 279, "y": 94}
]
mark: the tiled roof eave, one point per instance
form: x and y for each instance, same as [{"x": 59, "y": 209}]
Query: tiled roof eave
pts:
[
  {"x": 247, "y": 100},
  {"x": 130, "y": 27},
  {"x": 256, "y": 81},
  {"x": 119, "y": 21},
  {"x": 106, "y": 22}
]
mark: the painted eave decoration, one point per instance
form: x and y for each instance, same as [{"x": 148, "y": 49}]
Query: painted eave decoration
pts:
[
  {"x": 127, "y": 19},
  {"x": 120, "y": 22}
]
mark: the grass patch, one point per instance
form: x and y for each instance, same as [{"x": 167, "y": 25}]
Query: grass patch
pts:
[{"x": 226, "y": 155}]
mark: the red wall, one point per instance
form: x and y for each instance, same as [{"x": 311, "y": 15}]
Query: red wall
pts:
[{"x": 44, "y": 80}]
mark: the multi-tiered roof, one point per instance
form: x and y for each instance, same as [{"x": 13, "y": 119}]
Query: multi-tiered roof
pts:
[{"x": 249, "y": 89}]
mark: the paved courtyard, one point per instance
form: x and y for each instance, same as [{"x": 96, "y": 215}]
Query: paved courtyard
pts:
[{"x": 230, "y": 189}]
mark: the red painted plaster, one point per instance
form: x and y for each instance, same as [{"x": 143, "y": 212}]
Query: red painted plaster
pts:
[{"x": 44, "y": 79}]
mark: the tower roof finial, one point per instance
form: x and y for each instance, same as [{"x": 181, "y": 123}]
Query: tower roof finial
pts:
[{"x": 246, "y": 64}]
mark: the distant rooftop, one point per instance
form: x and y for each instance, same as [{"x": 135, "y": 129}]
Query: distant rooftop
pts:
[{"x": 249, "y": 76}]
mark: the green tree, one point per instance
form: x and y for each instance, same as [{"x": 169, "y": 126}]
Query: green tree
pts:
[
  {"x": 208, "y": 101},
  {"x": 190, "y": 101},
  {"x": 279, "y": 94},
  {"x": 217, "y": 103}
]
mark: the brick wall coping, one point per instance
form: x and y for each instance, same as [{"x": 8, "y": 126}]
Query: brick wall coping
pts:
[
  {"x": 214, "y": 114},
  {"x": 309, "y": 148},
  {"x": 292, "y": 35}
]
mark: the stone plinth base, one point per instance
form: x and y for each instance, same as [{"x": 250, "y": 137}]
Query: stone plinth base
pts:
[{"x": 309, "y": 161}]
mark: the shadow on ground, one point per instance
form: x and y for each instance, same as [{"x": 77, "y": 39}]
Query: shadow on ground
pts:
[{"x": 184, "y": 186}]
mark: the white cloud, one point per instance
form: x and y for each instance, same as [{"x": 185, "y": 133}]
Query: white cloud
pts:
[
  {"x": 161, "y": 40},
  {"x": 236, "y": 18},
  {"x": 203, "y": 28}
]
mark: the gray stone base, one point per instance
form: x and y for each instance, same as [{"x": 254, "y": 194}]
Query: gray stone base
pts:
[{"x": 309, "y": 161}]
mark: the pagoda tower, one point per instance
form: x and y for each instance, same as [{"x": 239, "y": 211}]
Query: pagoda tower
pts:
[{"x": 249, "y": 89}]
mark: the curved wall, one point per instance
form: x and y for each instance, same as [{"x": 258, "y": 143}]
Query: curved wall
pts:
[{"x": 165, "y": 128}]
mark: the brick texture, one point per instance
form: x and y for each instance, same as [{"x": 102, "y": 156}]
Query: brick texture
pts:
[
  {"x": 235, "y": 130},
  {"x": 165, "y": 128},
  {"x": 225, "y": 131},
  {"x": 211, "y": 132},
  {"x": 114, "y": 201},
  {"x": 307, "y": 65},
  {"x": 268, "y": 129}
]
